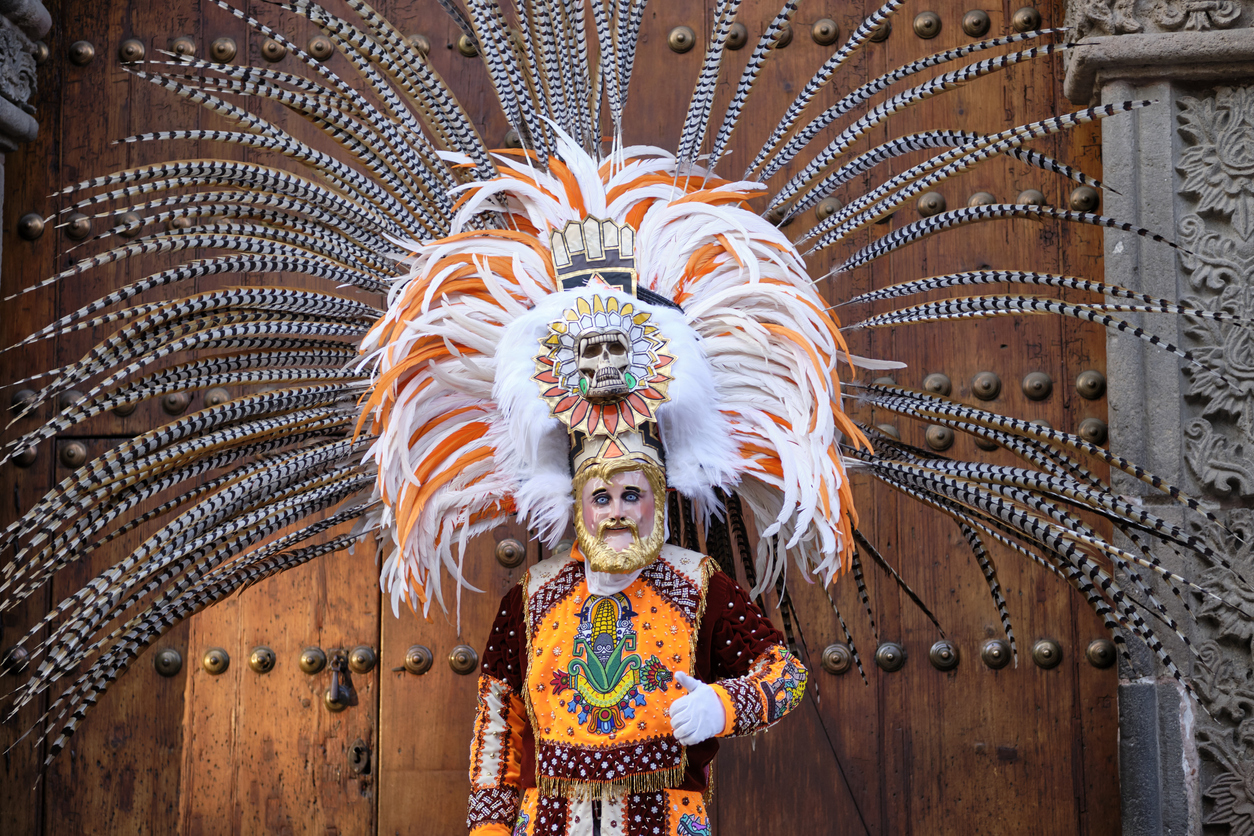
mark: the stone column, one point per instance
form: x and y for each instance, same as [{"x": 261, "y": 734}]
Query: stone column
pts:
[
  {"x": 1184, "y": 168},
  {"x": 22, "y": 24}
]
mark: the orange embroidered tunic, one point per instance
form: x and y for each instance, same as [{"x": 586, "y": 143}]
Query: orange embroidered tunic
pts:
[{"x": 574, "y": 698}]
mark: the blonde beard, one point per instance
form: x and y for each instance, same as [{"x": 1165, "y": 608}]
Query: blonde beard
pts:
[
  {"x": 602, "y": 558},
  {"x": 599, "y": 555}
]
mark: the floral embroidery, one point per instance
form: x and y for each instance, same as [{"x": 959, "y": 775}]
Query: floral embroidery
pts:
[
  {"x": 655, "y": 675},
  {"x": 785, "y": 692},
  {"x": 604, "y": 674},
  {"x": 690, "y": 825}
]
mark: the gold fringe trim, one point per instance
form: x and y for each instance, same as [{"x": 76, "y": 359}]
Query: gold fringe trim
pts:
[
  {"x": 526, "y": 628},
  {"x": 662, "y": 779},
  {"x": 707, "y": 571}
]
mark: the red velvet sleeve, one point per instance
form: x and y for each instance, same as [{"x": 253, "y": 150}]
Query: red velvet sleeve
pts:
[
  {"x": 734, "y": 632},
  {"x": 504, "y": 655}
]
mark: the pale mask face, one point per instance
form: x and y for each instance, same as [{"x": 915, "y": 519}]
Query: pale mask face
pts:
[
  {"x": 621, "y": 511},
  {"x": 617, "y": 524}
]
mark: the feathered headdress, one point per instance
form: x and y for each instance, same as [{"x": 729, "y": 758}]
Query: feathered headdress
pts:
[
  {"x": 424, "y": 419},
  {"x": 751, "y": 397}
]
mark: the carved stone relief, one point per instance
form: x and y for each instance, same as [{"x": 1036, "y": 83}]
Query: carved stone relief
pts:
[
  {"x": 1129, "y": 17},
  {"x": 1224, "y": 677},
  {"x": 1218, "y": 182},
  {"x": 17, "y": 67}
]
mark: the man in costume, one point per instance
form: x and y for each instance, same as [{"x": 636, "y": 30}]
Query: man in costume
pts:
[{"x": 594, "y": 713}]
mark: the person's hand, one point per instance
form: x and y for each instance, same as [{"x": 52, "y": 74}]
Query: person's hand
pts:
[{"x": 698, "y": 715}]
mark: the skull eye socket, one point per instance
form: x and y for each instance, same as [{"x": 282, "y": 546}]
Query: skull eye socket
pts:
[{"x": 617, "y": 349}]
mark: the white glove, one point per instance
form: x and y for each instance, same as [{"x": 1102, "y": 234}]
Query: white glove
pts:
[{"x": 697, "y": 715}]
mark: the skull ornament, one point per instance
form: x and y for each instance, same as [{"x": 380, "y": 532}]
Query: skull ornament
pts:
[{"x": 604, "y": 356}]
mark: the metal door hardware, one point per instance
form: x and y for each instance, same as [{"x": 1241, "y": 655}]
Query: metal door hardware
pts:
[
  {"x": 30, "y": 226},
  {"x": 467, "y": 46},
  {"x": 1084, "y": 199},
  {"x": 21, "y": 400},
  {"x": 215, "y": 661},
  {"x": 825, "y": 31},
  {"x": 339, "y": 695},
  {"x": 14, "y": 660},
  {"x": 1037, "y": 386},
  {"x": 131, "y": 222},
  {"x": 827, "y": 207},
  {"x": 837, "y": 659},
  {"x": 421, "y": 43},
  {"x": 939, "y": 438},
  {"x": 1031, "y": 197},
  {"x": 223, "y": 50},
  {"x": 938, "y": 384},
  {"x": 359, "y": 758},
  {"x": 995, "y": 653},
  {"x": 986, "y": 386},
  {"x": 1025, "y": 19},
  {"x": 262, "y": 659},
  {"x": 1093, "y": 430},
  {"x": 77, "y": 226},
  {"x": 944, "y": 655},
  {"x": 510, "y": 553},
  {"x": 463, "y": 659},
  {"x": 321, "y": 48},
  {"x": 73, "y": 454},
  {"x": 1100, "y": 653},
  {"x": 217, "y": 396},
  {"x": 362, "y": 659},
  {"x": 681, "y": 39},
  {"x": 418, "y": 659},
  {"x": 1091, "y": 384},
  {"x": 131, "y": 50},
  {"x": 175, "y": 403},
  {"x": 312, "y": 660},
  {"x": 927, "y": 25},
  {"x": 273, "y": 51},
  {"x": 881, "y": 32},
  {"x": 976, "y": 23},
  {"x": 932, "y": 203},
  {"x": 890, "y": 656},
  {"x": 1047, "y": 653},
  {"x": 82, "y": 53},
  {"x": 168, "y": 662}
]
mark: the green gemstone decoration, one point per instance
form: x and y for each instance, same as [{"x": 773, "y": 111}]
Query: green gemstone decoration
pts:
[
  {"x": 631, "y": 380},
  {"x": 583, "y": 386}
]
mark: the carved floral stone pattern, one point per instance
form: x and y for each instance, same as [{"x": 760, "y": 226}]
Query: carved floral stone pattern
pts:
[
  {"x": 17, "y": 67},
  {"x": 1130, "y": 17},
  {"x": 1223, "y": 676},
  {"x": 1217, "y": 166}
]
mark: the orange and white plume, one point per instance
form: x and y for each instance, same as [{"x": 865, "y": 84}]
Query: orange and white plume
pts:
[{"x": 465, "y": 439}]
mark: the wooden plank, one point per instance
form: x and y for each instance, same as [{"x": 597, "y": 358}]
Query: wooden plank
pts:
[
  {"x": 919, "y": 751},
  {"x": 264, "y": 754},
  {"x": 29, "y": 172}
]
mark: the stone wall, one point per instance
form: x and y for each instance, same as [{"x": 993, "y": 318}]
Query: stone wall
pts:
[
  {"x": 1184, "y": 167},
  {"x": 22, "y": 24}
]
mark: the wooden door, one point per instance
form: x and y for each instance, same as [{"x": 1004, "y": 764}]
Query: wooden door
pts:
[{"x": 1019, "y": 750}]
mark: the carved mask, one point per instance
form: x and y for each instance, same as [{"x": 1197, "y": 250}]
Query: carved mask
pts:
[{"x": 604, "y": 355}]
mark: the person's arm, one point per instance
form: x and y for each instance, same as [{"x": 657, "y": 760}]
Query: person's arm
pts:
[
  {"x": 500, "y": 720},
  {"x": 757, "y": 679}
]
